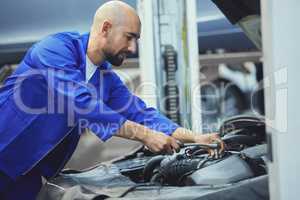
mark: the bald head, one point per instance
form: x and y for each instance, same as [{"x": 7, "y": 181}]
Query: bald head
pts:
[
  {"x": 114, "y": 33},
  {"x": 117, "y": 13}
]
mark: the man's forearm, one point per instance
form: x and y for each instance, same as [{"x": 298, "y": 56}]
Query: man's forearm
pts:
[
  {"x": 155, "y": 141},
  {"x": 187, "y": 136},
  {"x": 184, "y": 135},
  {"x": 134, "y": 131},
  {"x": 158, "y": 141}
]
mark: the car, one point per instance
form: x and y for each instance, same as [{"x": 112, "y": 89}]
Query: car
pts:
[{"x": 238, "y": 172}]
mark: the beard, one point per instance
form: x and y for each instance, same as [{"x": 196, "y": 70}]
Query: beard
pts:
[{"x": 116, "y": 59}]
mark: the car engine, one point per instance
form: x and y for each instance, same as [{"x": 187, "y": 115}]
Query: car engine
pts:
[{"x": 244, "y": 157}]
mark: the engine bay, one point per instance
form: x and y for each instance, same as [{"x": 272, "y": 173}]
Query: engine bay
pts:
[
  {"x": 196, "y": 171},
  {"x": 244, "y": 157}
]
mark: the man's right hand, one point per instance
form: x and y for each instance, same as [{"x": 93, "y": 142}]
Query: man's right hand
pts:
[
  {"x": 155, "y": 141},
  {"x": 159, "y": 142}
]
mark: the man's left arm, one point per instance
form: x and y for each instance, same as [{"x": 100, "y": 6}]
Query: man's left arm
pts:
[
  {"x": 134, "y": 109},
  {"x": 187, "y": 136}
]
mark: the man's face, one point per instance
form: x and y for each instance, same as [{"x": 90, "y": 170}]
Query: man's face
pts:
[{"x": 121, "y": 41}]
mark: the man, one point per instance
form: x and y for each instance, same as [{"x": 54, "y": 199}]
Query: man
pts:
[{"x": 64, "y": 85}]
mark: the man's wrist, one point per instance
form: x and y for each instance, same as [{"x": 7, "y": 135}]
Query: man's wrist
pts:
[
  {"x": 134, "y": 131},
  {"x": 184, "y": 135},
  {"x": 142, "y": 134}
]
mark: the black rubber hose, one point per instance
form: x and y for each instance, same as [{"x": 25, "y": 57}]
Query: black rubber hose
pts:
[
  {"x": 150, "y": 166},
  {"x": 172, "y": 174}
]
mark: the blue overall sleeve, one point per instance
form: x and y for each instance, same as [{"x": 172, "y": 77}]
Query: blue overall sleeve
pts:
[
  {"x": 57, "y": 60},
  {"x": 135, "y": 109}
]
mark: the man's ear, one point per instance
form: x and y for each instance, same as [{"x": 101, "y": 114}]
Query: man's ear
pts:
[{"x": 106, "y": 27}]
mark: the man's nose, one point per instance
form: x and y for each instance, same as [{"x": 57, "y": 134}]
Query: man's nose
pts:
[{"x": 132, "y": 47}]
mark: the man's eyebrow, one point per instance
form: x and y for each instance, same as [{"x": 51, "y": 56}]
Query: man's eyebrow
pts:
[{"x": 135, "y": 35}]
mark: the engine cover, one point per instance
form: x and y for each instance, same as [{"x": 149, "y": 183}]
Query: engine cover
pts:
[{"x": 229, "y": 170}]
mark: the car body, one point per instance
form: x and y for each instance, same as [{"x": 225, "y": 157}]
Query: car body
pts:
[{"x": 238, "y": 173}]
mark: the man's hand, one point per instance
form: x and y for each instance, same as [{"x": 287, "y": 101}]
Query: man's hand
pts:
[
  {"x": 159, "y": 142},
  {"x": 187, "y": 136},
  {"x": 207, "y": 138},
  {"x": 155, "y": 141}
]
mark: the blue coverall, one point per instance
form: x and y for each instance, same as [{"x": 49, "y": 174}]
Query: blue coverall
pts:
[{"x": 40, "y": 141}]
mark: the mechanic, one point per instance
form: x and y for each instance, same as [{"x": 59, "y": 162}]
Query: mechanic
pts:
[{"x": 65, "y": 85}]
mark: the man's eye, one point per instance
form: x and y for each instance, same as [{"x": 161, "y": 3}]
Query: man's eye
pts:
[{"x": 129, "y": 37}]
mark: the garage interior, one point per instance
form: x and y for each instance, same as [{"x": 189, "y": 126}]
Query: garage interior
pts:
[{"x": 224, "y": 66}]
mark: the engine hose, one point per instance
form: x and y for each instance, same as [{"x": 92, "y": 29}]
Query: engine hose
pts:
[
  {"x": 199, "y": 166},
  {"x": 150, "y": 166},
  {"x": 173, "y": 172}
]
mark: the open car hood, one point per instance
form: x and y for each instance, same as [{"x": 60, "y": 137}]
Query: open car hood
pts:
[{"x": 246, "y": 14}]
